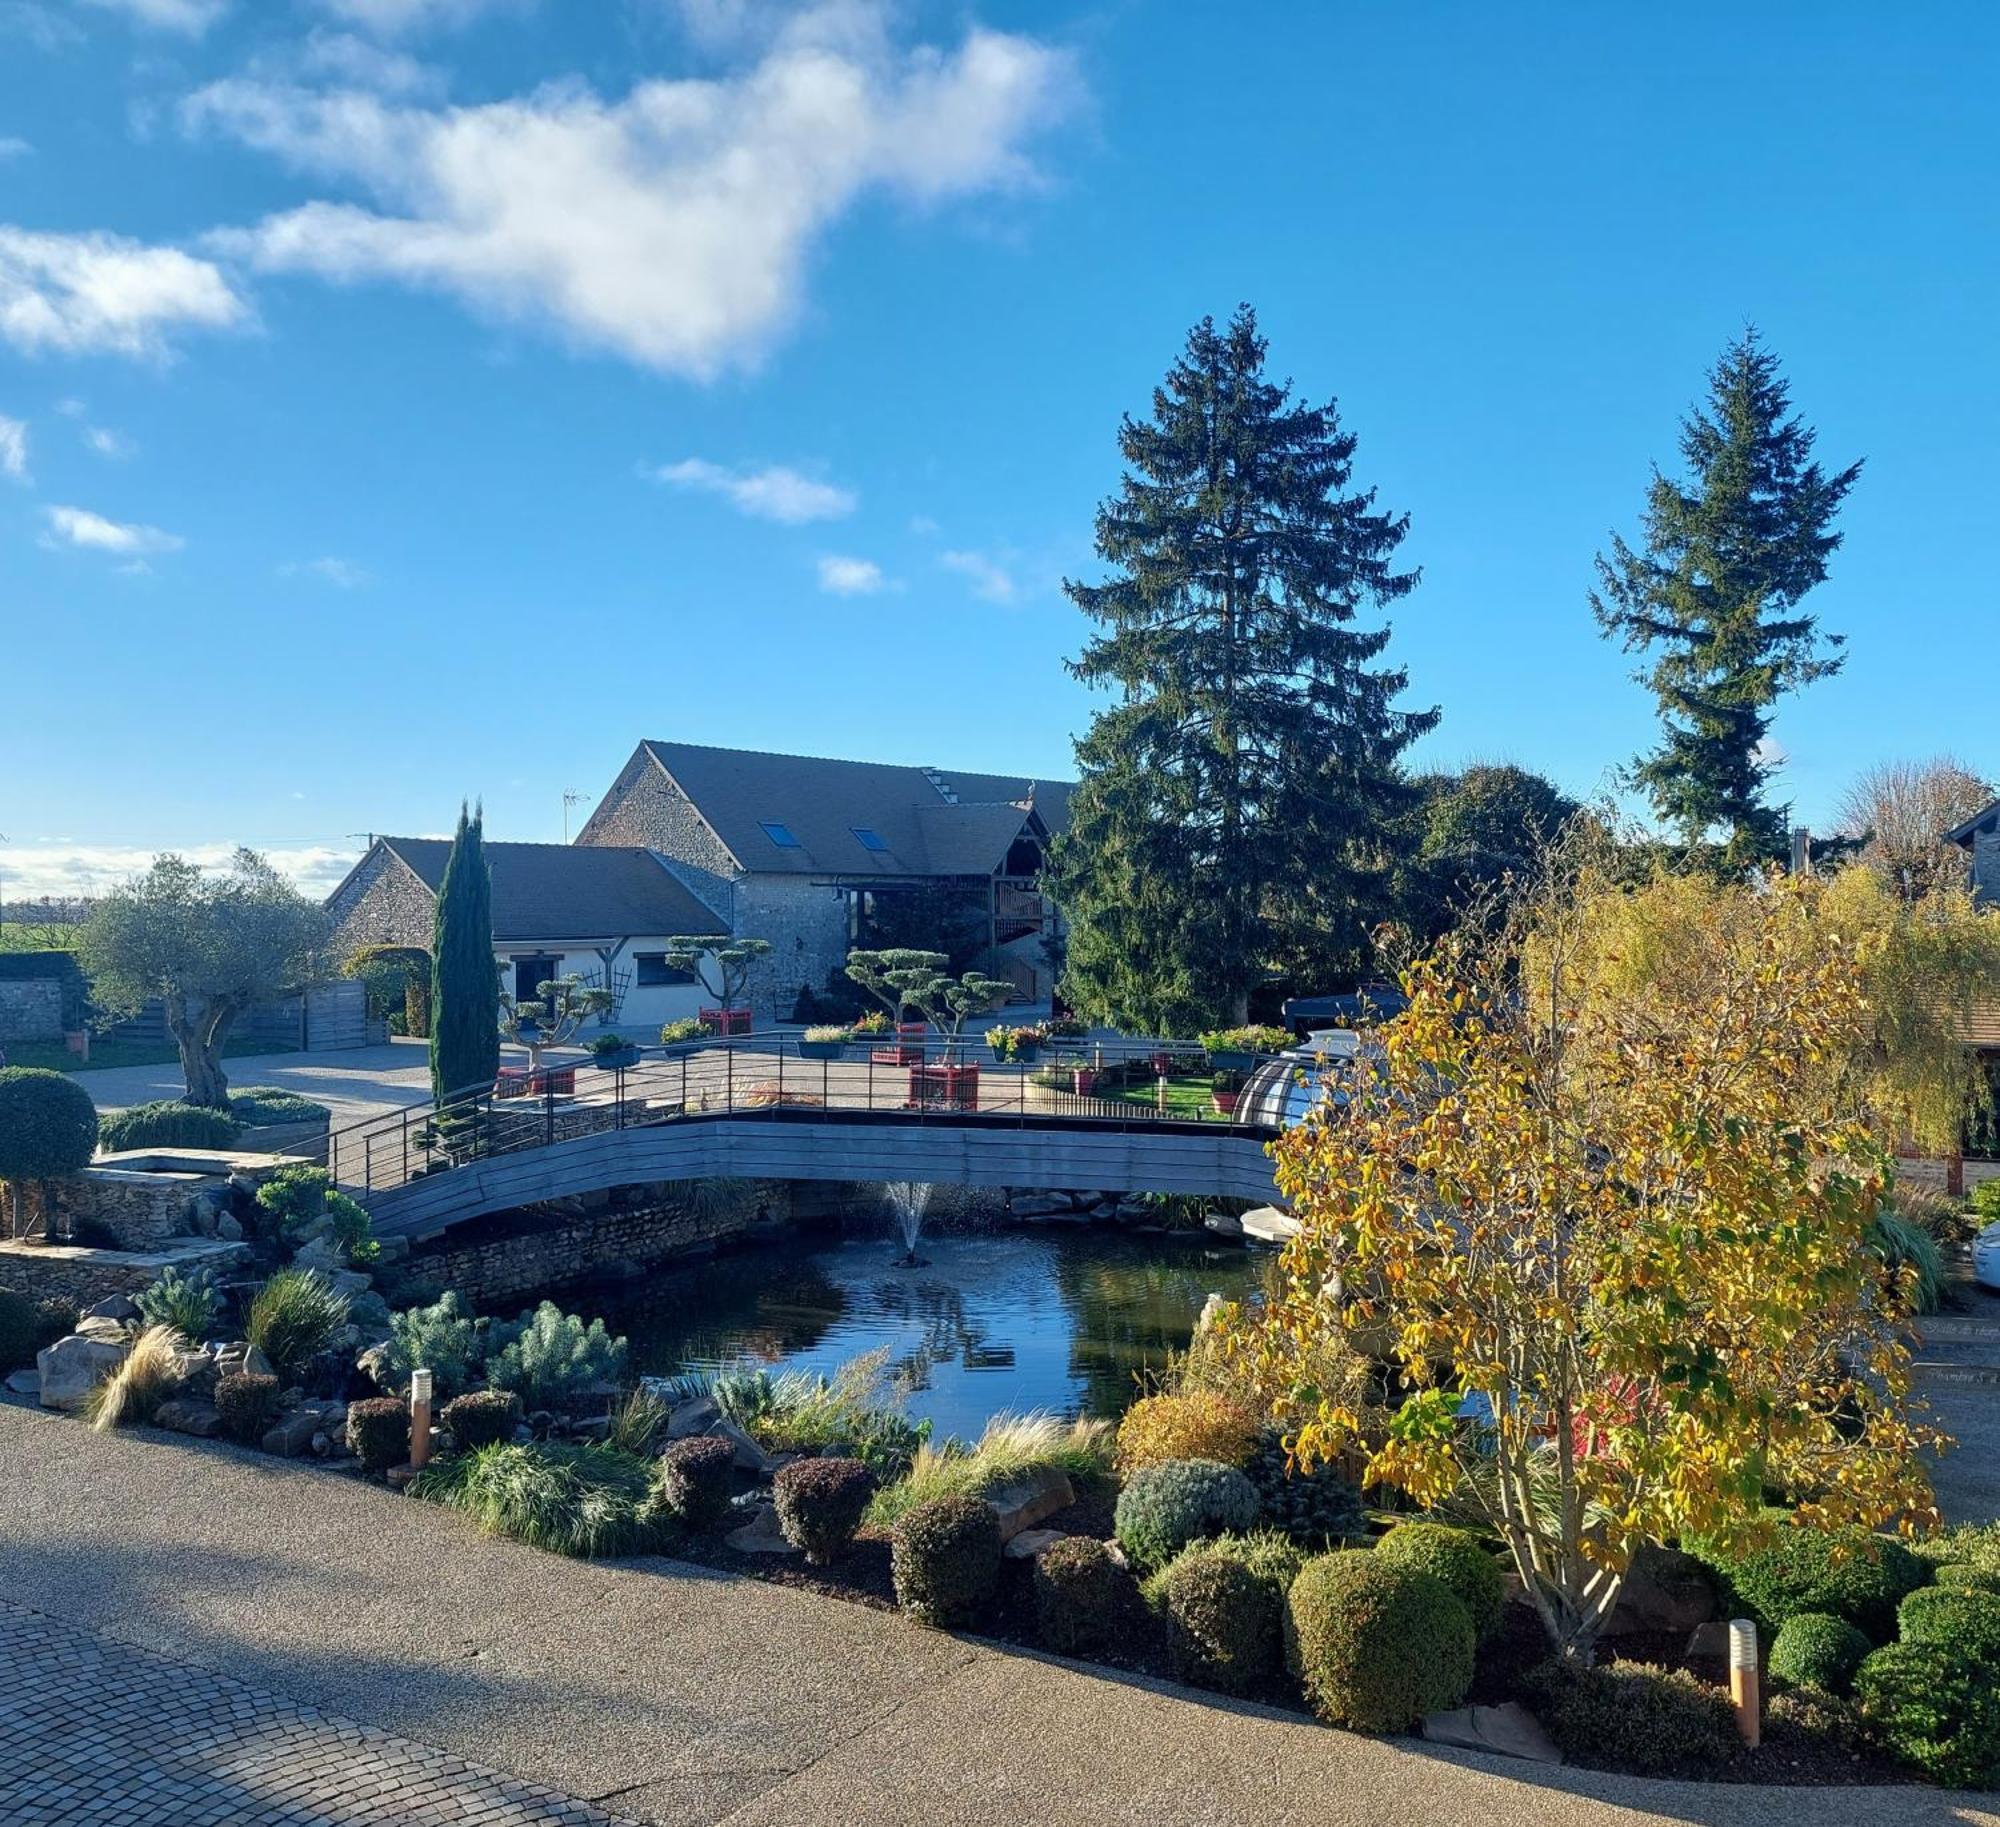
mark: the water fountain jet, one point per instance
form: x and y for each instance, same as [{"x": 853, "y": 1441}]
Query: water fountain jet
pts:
[{"x": 908, "y": 1201}]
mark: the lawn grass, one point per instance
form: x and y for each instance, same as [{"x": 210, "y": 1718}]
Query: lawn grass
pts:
[
  {"x": 105, "y": 1054},
  {"x": 1187, "y": 1098}
]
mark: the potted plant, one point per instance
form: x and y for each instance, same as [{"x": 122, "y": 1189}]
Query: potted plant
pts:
[
  {"x": 684, "y": 1033},
  {"x": 1225, "y": 1089},
  {"x": 1237, "y": 1049},
  {"x": 1001, "y": 1040},
  {"x": 722, "y": 965},
  {"x": 613, "y": 1052},
  {"x": 823, "y": 1043},
  {"x": 1027, "y": 1044},
  {"x": 871, "y": 1026},
  {"x": 1064, "y": 1027}
]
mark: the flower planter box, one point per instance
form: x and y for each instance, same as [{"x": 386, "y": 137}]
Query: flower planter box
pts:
[
  {"x": 1026, "y": 1052},
  {"x": 822, "y": 1049},
  {"x": 907, "y": 1049},
  {"x": 516, "y": 1081},
  {"x": 616, "y": 1059},
  {"x": 1225, "y": 1102},
  {"x": 1231, "y": 1059},
  {"x": 725, "y": 1021},
  {"x": 1086, "y": 1081},
  {"x": 946, "y": 1087}
]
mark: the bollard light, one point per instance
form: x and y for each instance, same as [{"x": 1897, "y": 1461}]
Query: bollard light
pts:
[
  {"x": 1743, "y": 1681},
  {"x": 421, "y": 1386}
]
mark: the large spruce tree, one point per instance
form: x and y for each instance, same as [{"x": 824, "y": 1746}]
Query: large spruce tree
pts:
[
  {"x": 465, "y": 997},
  {"x": 1730, "y": 553},
  {"x": 1229, "y": 821}
]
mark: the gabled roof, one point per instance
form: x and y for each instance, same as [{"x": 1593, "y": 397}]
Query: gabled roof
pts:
[
  {"x": 1986, "y": 820},
  {"x": 924, "y": 821},
  {"x": 567, "y": 891}
]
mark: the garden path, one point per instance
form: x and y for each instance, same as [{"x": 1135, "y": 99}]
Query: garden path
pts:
[{"x": 662, "y": 1692}]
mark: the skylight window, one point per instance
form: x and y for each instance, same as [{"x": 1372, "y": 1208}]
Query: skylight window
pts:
[
  {"x": 781, "y": 835},
  {"x": 867, "y": 839}
]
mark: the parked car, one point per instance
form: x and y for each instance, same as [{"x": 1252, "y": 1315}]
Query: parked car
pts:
[{"x": 1364, "y": 1007}]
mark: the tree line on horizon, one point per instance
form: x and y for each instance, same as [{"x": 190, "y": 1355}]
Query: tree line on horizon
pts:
[{"x": 1245, "y": 822}]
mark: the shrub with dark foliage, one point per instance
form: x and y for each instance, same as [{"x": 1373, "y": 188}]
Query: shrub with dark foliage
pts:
[
  {"x": 1936, "y": 1710},
  {"x": 20, "y": 1334},
  {"x": 1960, "y": 1577},
  {"x": 248, "y": 1404},
  {"x": 1847, "y": 1573},
  {"x": 1954, "y": 1618},
  {"x": 1624, "y": 1716},
  {"x": 1165, "y": 1506},
  {"x": 1458, "y": 1558},
  {"x": 945, "y": 1556},
  {"x": 480, "y": 1417},
  {"x": 54, "y": 1319},
  {"x": 820, "y": 1505},
  {"x": 1376, "y": 1646},
  {"x": 1225, "y": 1622},
  {"x": 692, "y": 1481},
  {"x": 1319, "y": 1509},
  {"x": 1086, "y": 1601},
  {"x": 166, "y": 1124},
  {"x": 378, "y": 1432},
  {"x": 1816, "y": 1650}
]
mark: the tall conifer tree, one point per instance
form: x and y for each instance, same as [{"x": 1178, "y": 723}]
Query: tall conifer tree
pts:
[
  {"x": 1229, "y": 821},
  {"x": 1730, "y": 553},
  {"x": 465, "y": 997}
]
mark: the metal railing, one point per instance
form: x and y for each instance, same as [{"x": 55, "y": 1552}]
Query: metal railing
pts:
[{"x": 1122, "y": 1083}]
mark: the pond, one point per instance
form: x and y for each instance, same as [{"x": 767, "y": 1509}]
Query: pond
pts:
[{"x": 1060, "y": 1321}]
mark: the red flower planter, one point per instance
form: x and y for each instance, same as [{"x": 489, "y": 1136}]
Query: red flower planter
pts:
[
  {"x": 725, "y": 1021},
  {"x": 517, "y": 1081},
  {"x": 944, "y": 1087}
]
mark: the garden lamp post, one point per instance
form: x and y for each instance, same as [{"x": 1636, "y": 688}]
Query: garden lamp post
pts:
[
  {"x": 421, "y": 1389},
  {"x": 1743, "y": 1684}
]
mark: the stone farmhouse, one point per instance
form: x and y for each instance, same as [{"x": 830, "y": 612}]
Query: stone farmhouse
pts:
[{"x": 812, "y": 854}]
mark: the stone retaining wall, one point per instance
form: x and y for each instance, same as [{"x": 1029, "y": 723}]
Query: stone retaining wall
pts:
[
  {"x": 492, "y": 1261},
  {"x": 58, "y": 1271}
]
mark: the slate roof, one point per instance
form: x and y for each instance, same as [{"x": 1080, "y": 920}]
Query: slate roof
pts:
[
  {"x": 930, "y": 822},
  {"x": 567, "y": 891},
  {"x": 1984, "y": 820}
]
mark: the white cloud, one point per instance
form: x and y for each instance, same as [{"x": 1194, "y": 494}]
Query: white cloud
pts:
[
  {"x": 12, "y": 146},
  {"x": 673, "y": 226},
  {"x": 340, "y": 57},
  {"x": 80, "y": 527},
  {"x": 105, "y": 442},
  {"x": 13, "y": 448},
  {"x": 100, "y": 293},
  {"x": 850, "y": 576},
  {"x": 61, "y": 867},
  {"x": 190, "y": 17},
  {"x": 393, "y": 17},
  {"x": 988, "y": 577},
  {"x": 772, "y": 493},
  {"x": 341, "y": 573}
]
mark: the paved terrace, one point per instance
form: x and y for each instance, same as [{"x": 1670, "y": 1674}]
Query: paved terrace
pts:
[{"x": 374, "y": 1647}]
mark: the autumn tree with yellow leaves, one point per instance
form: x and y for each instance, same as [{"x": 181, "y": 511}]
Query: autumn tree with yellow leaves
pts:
[{"x": 1606, "y": 1190}]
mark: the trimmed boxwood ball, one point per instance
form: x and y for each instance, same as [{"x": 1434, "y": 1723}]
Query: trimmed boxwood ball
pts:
[
  {"x": 945, "y": 1556},
  {"x": 248, "y": 1404},
  {"x": 693, "y": 1478},
  {"x": 820, "y": 1504},
  {"x": 1225, "y": 1622},
  {"x": 480, "y": 1417},
  {"x": 1959, "y": 1577},
  {"x": 167, "y": 1123},
  {"x": 1086, "y": 1600},
  {"x": 1954, "y": 1618},
  {"x": 1374, "y": 1645},
  {"x": 1163, "y": 1507},
  {"x": 1848, "y": 1573},
  {"x": 1649, "y": 1721},
  {"x": 1460, "y": 1559},
  {"x": 1936, "y": 1710},
  {"x": 378, "y": 1432},
  {"x": 1817, "y": 1651},
  {"x": 48, "y": 1126}
]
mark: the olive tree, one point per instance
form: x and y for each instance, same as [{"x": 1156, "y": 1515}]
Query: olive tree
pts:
[
  {"x": 48, "y": 1126},
  {"x": 554, "y": 1017},
  {"x": 210, "y": 947}
]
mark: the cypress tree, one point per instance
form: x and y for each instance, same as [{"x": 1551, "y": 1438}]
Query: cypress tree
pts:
[
  {"x": 1730, "y": 552},
  {"x": 1232, "y": 806},
  {"x": 465, "y": 999}
]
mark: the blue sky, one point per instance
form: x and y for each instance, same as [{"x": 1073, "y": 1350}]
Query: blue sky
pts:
[{"x": 402, "y": 399}]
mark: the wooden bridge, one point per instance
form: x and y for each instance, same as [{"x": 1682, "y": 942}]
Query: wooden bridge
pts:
[{"x": 751, "y": 1108}]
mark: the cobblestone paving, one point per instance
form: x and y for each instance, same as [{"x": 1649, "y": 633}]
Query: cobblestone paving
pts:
[{"x": 95, "y": 1733}]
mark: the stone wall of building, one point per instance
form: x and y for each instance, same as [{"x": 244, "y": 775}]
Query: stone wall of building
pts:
[
  {"x": 383, "y": 903},
  {"x": 31, "y": 1008},
  {"x": 806, "y": 923},
  {"x": 645, "y": 807},
  {"x": 1986, "y": 868}
]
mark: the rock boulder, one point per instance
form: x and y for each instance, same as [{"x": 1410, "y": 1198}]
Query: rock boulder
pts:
[{"x": 73, "y": 1366}]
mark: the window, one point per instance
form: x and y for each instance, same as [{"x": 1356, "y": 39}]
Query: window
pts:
[
  {"x": 867, "y": 839},
  {"x": 781, "y": 835},
  {"x": 651, "y": 971}
]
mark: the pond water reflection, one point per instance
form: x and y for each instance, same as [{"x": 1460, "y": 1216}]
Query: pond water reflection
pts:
[{"x": 1015, "y": 1320}]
